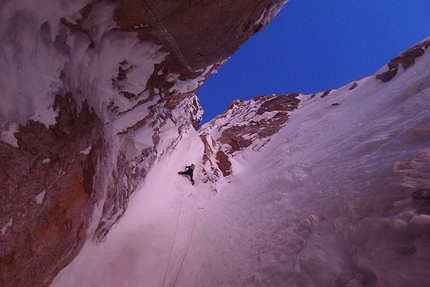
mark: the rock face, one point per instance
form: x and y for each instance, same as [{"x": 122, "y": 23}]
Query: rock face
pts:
[
  {"x": 193, "y": 32},
  {"x": 245, "y": 125},
  {"x": 91, "y": 89},
  {"x": 405, "y": 60},
  {"x": 49, "y": 188}
]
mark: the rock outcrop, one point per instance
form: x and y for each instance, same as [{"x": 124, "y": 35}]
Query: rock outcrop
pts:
[
  {"x": 245, "y": 125},
  {"x": 91, "y": 89},
  {"x": 48, "y": 193},
  {"x": 403, "y": 61}
]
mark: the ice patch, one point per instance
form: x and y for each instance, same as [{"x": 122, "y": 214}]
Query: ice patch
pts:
[
  {"x": 185, "y": 86},
  {"x": 6, "y": 226},
  {"x": 44, "y": 111},
  {"x": 39, "y": 198},
  {"x": 130, "y": 118},
  {"x": 8, "y": 135},
  {"x": 86, "y": 151}
]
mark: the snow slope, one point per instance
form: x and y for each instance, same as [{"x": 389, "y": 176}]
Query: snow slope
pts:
[
  {"x": 147, "y": 246},
  {"x": 328, "y": 201},
  {"x": 336, "y": 198}
]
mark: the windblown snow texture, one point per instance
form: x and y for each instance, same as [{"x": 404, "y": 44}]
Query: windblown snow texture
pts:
[{"x": 338, "y": 197}]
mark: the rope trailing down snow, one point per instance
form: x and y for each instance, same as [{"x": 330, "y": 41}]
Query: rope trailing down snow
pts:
[
  {"x": 189, "y": 242},
  {"x": 174, "y": 237},
  {"x": 188, "y": 247},
  {"x": 195, "y": 203}
]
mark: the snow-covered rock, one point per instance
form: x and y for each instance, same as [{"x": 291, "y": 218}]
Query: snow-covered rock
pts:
[
  {"x": 245, "y": 125},
  {"x": 337, "y": 196},
  {"x": 403, "y": 61},
  {"x": 92, "y": 93},
  {"x": 99, "y": 112}
]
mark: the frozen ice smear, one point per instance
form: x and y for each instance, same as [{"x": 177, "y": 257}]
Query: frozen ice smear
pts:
[
  {"x": 36, "y": 48},
  {"x": 327, "y": 202},
  {"x": 33, "y": 64}
]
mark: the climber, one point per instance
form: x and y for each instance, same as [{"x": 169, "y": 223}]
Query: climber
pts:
[{"x": 189, "y": 171}]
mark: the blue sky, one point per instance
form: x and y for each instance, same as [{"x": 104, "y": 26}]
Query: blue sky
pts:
[{"x": 315, "y": 45}]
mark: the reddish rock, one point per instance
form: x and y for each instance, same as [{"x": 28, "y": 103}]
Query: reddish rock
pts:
[
  {"x": 243, "y": 133},
  {"x": 223, "y": 163},
  {"x": 49, "y": 193},
  {"x": 243, "y": 126}
]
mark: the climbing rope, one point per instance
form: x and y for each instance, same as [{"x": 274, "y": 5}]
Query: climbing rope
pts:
[
  {"x": 195, "y": 203},
  {"x": 174, "y": 237},
  {"x": 186, "y": 250}
]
